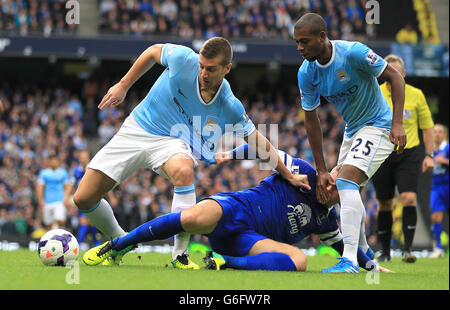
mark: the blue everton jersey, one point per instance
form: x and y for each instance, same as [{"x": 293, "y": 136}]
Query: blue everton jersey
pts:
[
  {"x": 174, "y": 106},
  {"x": 282, "y": 212},
  {"x": 77, "y": 174},
  {"x": 349, "y": 82},
  {"x": 54, "y": 181},
  {"x": 440, "y": 171}
]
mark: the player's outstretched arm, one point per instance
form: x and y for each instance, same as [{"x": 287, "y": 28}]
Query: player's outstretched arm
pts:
[
  {"x": 145, "y": 61},
  {"x": 268, "y": 154},
  {"x": 397, "y": 135}
]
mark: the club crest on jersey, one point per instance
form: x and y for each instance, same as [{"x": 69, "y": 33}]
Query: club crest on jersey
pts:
[
  {"x": 371, "y": 57},
  {"x": 407, "y": 114},
  {"x": 342, "y": 75},
  {"x": 211, "y": 123},
  {"x": 298, "y": 215}
]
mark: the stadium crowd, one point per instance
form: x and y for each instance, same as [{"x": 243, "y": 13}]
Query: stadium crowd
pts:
[
  {"x": 32, "y": 17},
  {"x": 38, "y": 122},
  {"x": 261, "y": 19}
]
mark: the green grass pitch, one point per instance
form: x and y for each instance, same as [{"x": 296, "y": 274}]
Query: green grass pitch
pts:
[{"x": 22, "y": 270}]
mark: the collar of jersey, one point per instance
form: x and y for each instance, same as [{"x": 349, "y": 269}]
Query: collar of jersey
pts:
[
  {"x": 333, "y": 52},
  {"x": 213, "y": 99}
]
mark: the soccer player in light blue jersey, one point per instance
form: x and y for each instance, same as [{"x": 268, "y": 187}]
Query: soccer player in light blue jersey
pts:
[
  {"x": 52, "y": 192},
  {"x": 439, "y": 188},
  {"x": 345, "y": 74},
  {"x": 255, "y": 228},
  {"x": 182, "y": 118}
]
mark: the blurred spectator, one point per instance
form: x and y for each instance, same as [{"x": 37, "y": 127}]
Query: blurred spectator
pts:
[{"x": 407, "y": 35}]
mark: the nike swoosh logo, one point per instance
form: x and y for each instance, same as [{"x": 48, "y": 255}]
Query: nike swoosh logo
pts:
[
  {"x": 90, "y": 259},
  {"x": 357, "y": 157},
  {"x": 179, "y": 91},
  {"x": 315, "y": 85}
]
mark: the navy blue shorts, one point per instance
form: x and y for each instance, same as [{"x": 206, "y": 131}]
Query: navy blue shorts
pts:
[{"x": 233, "y": 235}]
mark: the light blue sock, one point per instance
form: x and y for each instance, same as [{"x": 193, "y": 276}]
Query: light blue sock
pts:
[
  {"x": 437, "y": 230},
  {"x": 159, "y": 228},
  {"x": 263, "y": 261}
]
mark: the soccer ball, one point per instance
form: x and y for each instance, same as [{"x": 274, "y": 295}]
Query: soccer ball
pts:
[{"x": 58, "y": 247}]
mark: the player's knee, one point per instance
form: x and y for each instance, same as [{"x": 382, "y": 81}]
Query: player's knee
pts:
[
  {"x": 83, "y": 202},
  {"x": 436, "y": 217},
  {"x": 408, "y": 199},
  {"x": 300, "y": 261},
  {"x": 183, "y": 176},
  {"x": 189, "y": 220},
  {"x": 385, "y": 205}
]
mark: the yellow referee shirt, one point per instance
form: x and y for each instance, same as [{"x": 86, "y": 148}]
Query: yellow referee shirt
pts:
[{"x": 416, "y": 113}]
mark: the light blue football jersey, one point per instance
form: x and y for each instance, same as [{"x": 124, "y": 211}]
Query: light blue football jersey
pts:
[
  {"x": 54, "y": 181},
  {"x": 174, "y": 107},
  {"x": 349, "y": 82}
]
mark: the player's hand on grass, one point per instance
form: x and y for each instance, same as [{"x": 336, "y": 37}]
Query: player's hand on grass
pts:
[
  {"x": 222, "y": 157},
  {"x": 398, "y": 138},
  {"x": 114, "y": 96},
  {"x": 324, "y": 185},
  {"x": 300, "y": 180}
]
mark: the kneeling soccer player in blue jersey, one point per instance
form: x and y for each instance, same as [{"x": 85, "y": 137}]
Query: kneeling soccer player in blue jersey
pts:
[{"x": 252, "y": 229}]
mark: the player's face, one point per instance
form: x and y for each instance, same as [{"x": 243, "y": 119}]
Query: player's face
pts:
[
  {"x": 309, "y": 45},
  {"x": 54, "y": 163},
  {"x": 439, "y": 134},
  {"x": 84, "y": 158},
  {"x": 211, "y": 72}
]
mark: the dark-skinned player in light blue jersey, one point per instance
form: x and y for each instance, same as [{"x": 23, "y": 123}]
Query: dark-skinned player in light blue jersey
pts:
[
  {"x": 252, "y": 229},
  {"x": 345, "y": 74}
]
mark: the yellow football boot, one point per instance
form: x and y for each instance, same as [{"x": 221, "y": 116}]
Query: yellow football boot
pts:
[{"x": 184, "y": 262}]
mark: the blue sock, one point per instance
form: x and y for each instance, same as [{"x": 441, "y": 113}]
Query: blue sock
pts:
[
  {"x": 159, "y": 228},
  {"x": 437, "y": 230},
  {"x": 82, "y": 233},
  {"x": 94, "y": 235},
  {"x": 263, "y": 261}
]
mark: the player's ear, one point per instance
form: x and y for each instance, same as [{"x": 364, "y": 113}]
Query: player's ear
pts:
[
  {"x": 228, "y": 68},
  {"x": 322, "y": 36}
]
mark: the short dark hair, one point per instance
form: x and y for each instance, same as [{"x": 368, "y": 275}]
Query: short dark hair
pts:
[
  {"x": 216, "y": 46},
  {"x": 313, "y": 21}
]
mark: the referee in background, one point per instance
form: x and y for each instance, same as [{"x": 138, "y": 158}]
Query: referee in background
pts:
[{"x": 402, "y": 170}]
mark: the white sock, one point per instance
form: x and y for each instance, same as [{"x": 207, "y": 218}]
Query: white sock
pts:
[
  {"x": 183, "y": 198},
  {"x": 102, "y": 217},
  {"x": 362, "y": 234},
  {"x": 352, "y": 210}
]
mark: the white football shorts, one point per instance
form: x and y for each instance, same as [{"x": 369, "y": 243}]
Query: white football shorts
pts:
[
  {"x": 54, "y": 211},
  {"x": 132, "y": 148},
  {"x": 367, "y": 150}
]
